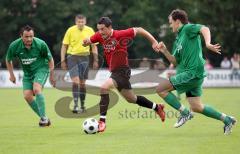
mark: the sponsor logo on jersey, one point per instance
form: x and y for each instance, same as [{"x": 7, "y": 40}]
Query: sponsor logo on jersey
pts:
[
  {"x": 28, "y": 61},
  {"x": 110, "y": 45}
]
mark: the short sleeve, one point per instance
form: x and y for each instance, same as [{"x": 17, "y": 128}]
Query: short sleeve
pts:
[
  {"x": 10, "y": 54},
  {"x": 192, "y": 30},
  {"x": 127, "y": 33},
  {"x": 46, "y": 52},
  {"x": 95, "y": 38}
]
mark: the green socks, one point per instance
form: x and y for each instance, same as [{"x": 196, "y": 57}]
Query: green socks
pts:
[
  {"x": 172, "y": 100},
  {"x": 208, "y": 111},
  {"x": 41, "y": 105},
  {"x": 211, "y": 112},
  {"x": 34, "y": 107}
]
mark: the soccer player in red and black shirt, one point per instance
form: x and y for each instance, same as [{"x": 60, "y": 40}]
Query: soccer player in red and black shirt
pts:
[{"x": 115, "y": 43}]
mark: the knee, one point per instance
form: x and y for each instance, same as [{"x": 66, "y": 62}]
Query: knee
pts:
[
  {"x": 131, "y": 99},
  {"x": 82, "y": 85},
  {"x": 37, "y": 88},
  {"x": 74, "y": 82},
  {"x": 37, "y": 91},
  {"x": 197, "y": 108},
  {"x": 28, "y": 98},
  {"x": 162, "y": 93},
  {"x": 104, "y": 90}
]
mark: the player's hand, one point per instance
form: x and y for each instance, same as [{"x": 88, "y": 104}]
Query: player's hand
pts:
[
  {"x": 214, "y": 47},
  {"x": 95, "y": 65},
  {"x": 155, "y": 46},
  {"x": 86, "y": 42},
  {"x": 12, "y": 79},
  {"x": 63, "y": 65},
  {"x": 51, "y": 78},
  {"x": 162, "y": 47}
]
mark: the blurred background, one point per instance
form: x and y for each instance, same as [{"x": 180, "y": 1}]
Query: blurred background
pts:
[{"x": 51, "y": 18}]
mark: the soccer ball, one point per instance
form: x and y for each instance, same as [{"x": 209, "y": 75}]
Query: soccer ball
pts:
[{"x": 90, "y": 126}]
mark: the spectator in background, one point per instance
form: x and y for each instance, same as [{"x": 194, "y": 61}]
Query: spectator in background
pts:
[
  {"x": 235, "y": 61},
  {"x": 235, "y": 65},
  {"x": 226, "y": 63},
  {"x": 145, "y": 63},
  {"x": 208, "y": 65}
]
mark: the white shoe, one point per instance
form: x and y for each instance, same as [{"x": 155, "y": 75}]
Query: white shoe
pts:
[
  {"x": 75, "y": 109},
  {"x": 227, "y": 129},
  {"x": 44, "y": 122},
  {"x": 183, "y": 119}
]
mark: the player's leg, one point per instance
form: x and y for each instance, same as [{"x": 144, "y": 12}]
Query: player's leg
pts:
[
  {"x": 40, "y": 79},
  {"x": 164, "y": 91},
  {"x": 129, "y": 95},
  {"x": 121, "y": 78},
  {"x": 82, "y": 94},
  {"x": 83, "y": 67},
  {"x": 37, "y": 90},
  {"x": 197, "y": 106},
  {"x": 72, "y": 63},
  {"x": 28, "y": 94},
  {"x": 75, "y": 92},
  {"x": 104, "y": 102}
]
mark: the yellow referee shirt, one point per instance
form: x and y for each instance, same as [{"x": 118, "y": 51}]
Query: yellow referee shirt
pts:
[{"x": 74, "y": 39}]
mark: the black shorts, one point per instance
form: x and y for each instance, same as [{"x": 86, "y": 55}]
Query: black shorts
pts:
[
  {"x": 78, "y": 66},
  {"x": 122, "y": 76}
]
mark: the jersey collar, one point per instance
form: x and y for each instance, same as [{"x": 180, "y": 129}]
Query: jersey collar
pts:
[
  {"x": 32, "y": 46},
  {"x": 180, "y": 28},
  {"x": 110, "y": 35},
  {"x": 81, "y": 29}
]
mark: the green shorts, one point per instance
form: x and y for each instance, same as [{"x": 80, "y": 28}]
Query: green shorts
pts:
[
  {"x": 39, "y": 77},
  {"x": 187, "y": 82}
]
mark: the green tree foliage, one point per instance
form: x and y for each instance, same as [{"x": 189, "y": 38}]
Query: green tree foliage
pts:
[
  {"x": 224, "y": 21},
  {"x": 51, "y": 18}
]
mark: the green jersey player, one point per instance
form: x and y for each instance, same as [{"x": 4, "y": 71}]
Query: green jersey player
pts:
[
  {"x": 187, "y": 57},
  {"x": 37, "y": 63}
]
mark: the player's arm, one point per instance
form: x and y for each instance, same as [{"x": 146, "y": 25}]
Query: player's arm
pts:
[
  {"x": 86, "y": 42},
  {"x": 94, "y": 51},
  {"x": 162, "y": 47},
  {"x": 51, "y": 69},
  {"x": 207, "y": 38},
  {"x": 148, "y": 36},
  {"x": 63, "y": 55},
  {"x": 10, "y": 55},
  {"x": 10, "y": 70},
  {"x": 47, "y": 55}
]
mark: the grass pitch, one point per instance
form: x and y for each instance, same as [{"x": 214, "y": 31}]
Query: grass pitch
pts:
[{"x": 130, "y": 129}]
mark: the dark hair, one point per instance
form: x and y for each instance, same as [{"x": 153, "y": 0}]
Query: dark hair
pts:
[
  {"x": 106, "y": 21},
  {"x": 26, "y": 28},
  {"x": 180, "y": 15},
  {"x": 80, "y": 16}
]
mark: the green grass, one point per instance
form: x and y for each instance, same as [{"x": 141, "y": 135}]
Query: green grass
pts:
[{"x": 135, "y": 133}]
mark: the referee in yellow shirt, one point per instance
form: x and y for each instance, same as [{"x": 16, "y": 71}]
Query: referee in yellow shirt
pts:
[{"x": 78, "y": 58}]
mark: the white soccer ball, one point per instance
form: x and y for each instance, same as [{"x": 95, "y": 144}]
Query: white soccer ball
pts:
[{"x": 90, "y": 126}]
